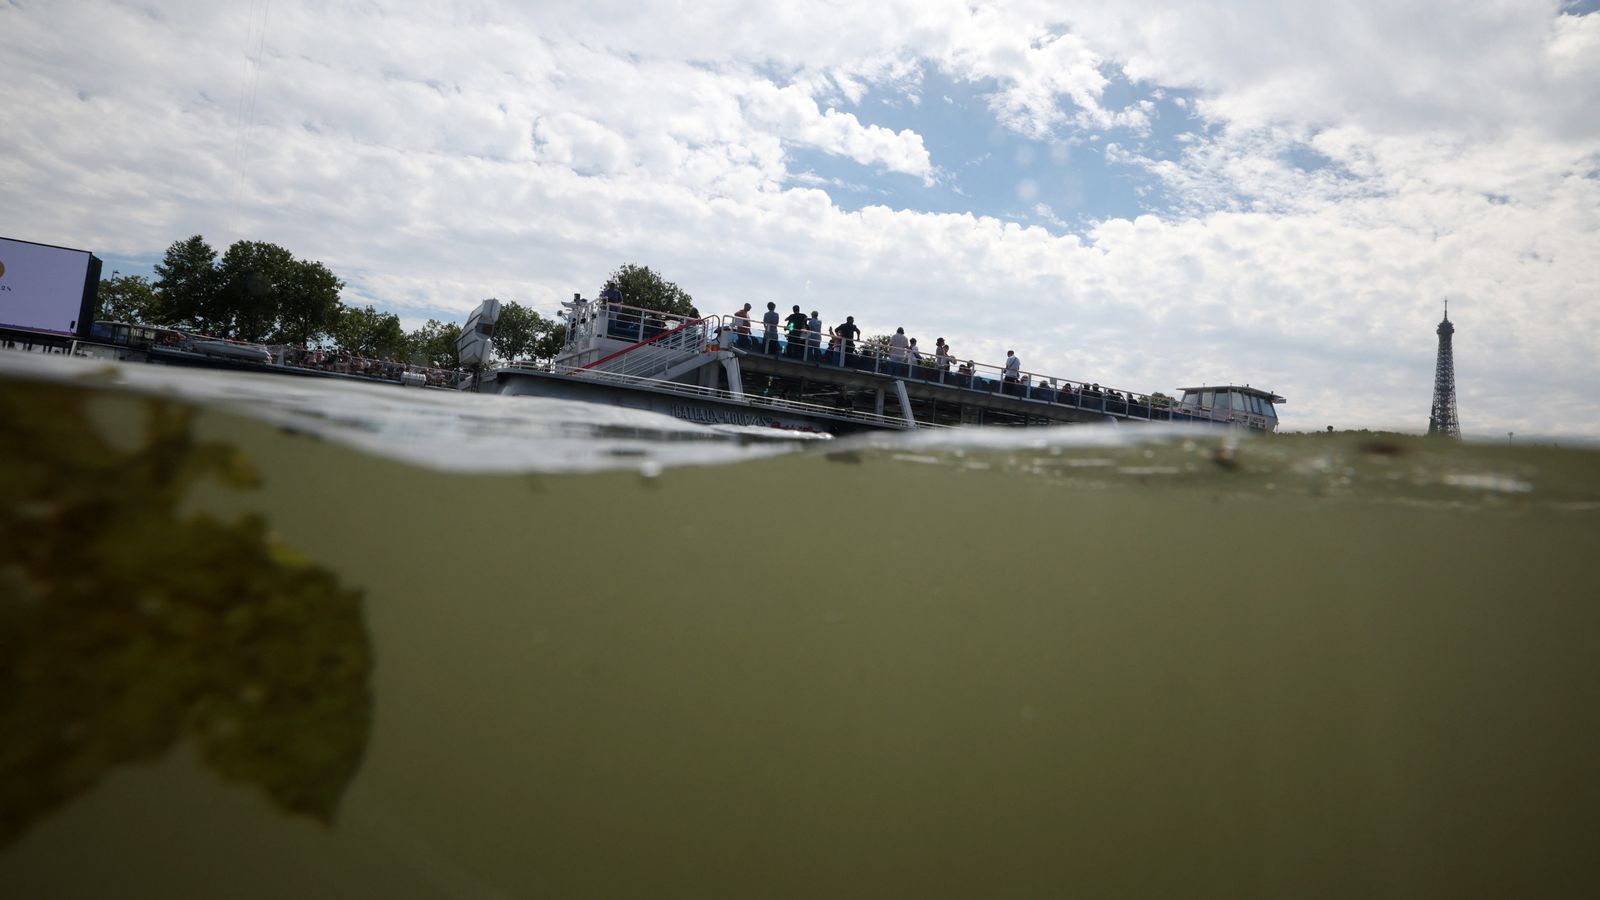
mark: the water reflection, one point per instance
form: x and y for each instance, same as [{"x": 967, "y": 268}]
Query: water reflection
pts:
[{"x": 129, "y": 624}]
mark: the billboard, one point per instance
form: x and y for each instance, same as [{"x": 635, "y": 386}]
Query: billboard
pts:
[{"x": 48, "y": 289}]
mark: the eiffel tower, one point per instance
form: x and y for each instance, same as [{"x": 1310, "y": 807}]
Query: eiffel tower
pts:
[{"x": 1442, "y": 420}]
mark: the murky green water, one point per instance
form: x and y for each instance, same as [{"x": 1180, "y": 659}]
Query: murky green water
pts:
[{"x": 240, "y": 660}]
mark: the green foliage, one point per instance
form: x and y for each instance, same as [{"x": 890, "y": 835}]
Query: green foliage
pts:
[
  {"x": 254, "y": 292},
  {"x": 310, "y": 305},
  {"x": 187, "y": 280},
  {"x": 254, "y": 278},
  {"x": 367, "y": 332},
  {"x": 133, "y": 624},
  {"x": 1159, "y": 400},
  {"x": 551, "y": 342},
  {"x": 434, "y": 344},
  {"x": 128, "y": 298},
  {"x": 522, "y": 332},
  {"x": 644, "y": 288},
  {"x": 514, "y": 331}
]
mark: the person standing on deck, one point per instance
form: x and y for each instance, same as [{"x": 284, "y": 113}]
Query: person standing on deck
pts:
[
  {"x": 769, "y": 325},
  {"x": 898, "y": 345},
  {"x": 796, "y": 336},
  {"x": 848, "y": 333},
  {"x": 941, "y": 355},
  {"x": 741, "y": 327},
  {"x": 813, "y": 335},
  {"x": 897, "y": 352},
  {"x": 1013, "y": 367}
]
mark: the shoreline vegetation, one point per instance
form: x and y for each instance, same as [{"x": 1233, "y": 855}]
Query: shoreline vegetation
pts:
[{"x": 257, "y": 292}]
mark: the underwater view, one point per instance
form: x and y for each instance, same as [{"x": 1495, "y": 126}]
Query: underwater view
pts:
[{"x": 294, "y": 637}]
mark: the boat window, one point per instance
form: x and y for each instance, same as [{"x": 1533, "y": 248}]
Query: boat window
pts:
[
  {"x": 1222, "y": 400},
  {"x": 1272, "y": 412},
  {"x": 1208, "y": 399},
  {"x": 1255, "y": 405}
]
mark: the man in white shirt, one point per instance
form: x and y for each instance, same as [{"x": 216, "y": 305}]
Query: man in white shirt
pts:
[
  {"x": 1013, "y": 367},
  {"x": 898, "y": 345},
  {"x": 897, "y": 352}
]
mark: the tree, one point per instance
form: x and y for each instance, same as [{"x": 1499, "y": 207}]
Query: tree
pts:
[
  {"x": 522, "y": 332},
  {"x": 434, "y": 344},
  {"x": 255, "y": 277},
  {"x": 186, "y": 279},
  {"x": 641, "y": 287},
  {"x": 128, "y": 298},
  {"x": 513, "y": 331},
  {"x": 551, "y": 342},
  {"x": 367, "y": 332},
  {"x": 255, "y": 291},
  {"x": 310, "y": 303}
]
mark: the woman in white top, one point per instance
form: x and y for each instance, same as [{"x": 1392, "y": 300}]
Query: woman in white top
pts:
[{"x": 898, "y": 345}]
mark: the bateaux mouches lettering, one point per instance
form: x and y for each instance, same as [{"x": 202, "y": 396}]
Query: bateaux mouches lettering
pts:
[
  {"x": 710, "y": 416},
  {"x": 706, "y": 415}
]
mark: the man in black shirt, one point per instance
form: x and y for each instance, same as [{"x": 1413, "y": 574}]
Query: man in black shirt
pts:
[
  {"x": 795, "y": 326},
  {"x": 849, "y": 331}
]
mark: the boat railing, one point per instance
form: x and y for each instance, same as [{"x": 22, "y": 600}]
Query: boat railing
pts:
[
  {"x": 985, "y": 378},
  {"x": 666, "y": 339},
  {"x": 651, "y": 330}
]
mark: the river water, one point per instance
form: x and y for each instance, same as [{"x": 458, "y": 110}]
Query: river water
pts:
[{"x": 281, "y": 637}]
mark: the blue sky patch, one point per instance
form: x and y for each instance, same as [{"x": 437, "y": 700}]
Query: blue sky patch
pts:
[{"x": 1065, "y": 183}]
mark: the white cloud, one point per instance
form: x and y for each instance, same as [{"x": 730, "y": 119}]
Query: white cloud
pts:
[{"x": 794, "y": 116}]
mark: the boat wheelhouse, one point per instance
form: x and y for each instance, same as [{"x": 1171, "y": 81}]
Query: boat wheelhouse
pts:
[
  {"x": 716, "y": 371},
  {"x": 1237, "y": 404}
]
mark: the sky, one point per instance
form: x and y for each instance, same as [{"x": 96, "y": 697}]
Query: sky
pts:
[{"x": 1149, "y": 195}]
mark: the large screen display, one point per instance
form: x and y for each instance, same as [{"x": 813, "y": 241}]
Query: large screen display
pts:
[{"x": 44, "y": 288}]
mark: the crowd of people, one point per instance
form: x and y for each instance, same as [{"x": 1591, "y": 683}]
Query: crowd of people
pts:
[
  {"x": 346, "y": 363},
  {"x": 800, "y": 336}
]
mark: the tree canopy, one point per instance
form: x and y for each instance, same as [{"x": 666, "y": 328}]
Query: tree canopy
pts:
[
  {"x": 367, "y": 332},
  {"x": 254, "y": 292},
  {"x": 640, "y": 286},
  {"x": 187, "y": 279},
  {"x": 521, "y": 332},
  {"x": 128, "y": 298},
  {"x": 434, "y": 344},
  {"x": 258, "y": 291}
]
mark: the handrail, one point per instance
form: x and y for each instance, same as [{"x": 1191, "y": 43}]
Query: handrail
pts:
[
  {"x": 605, "y": 318},
  {"x": 991, "y": 379},
  {"x": 648, "y": 341}
]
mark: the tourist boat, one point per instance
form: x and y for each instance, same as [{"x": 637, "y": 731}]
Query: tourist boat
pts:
[{"x": 707, "y": 370}]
